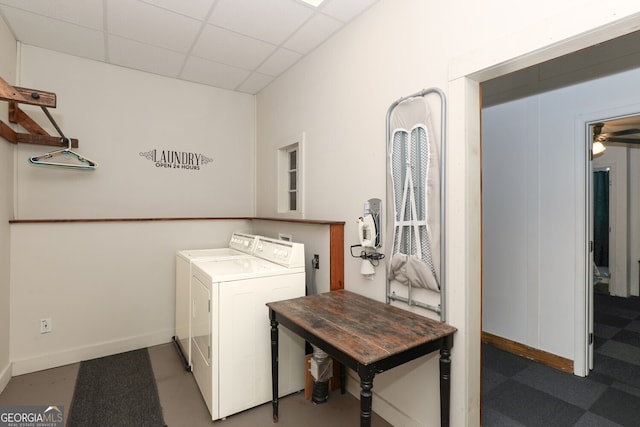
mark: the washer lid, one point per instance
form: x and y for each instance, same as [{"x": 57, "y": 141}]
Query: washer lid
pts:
[{"x": 239, "y": 268}]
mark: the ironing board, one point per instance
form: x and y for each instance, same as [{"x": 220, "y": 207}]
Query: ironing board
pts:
[{"x": 415, "y": 201}]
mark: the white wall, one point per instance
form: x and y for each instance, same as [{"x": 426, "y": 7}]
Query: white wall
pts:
[
  {"x": 8, "y": 73},
  {"x": 112, "y": 287},
  {"x": 338, "y": 97},
  {"x": 109, "y": 286},
  {"x": 534, "y": 201},
  {"x": 116, "y": 114}
]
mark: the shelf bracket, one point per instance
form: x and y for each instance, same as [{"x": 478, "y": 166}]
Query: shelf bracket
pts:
[{"x": 36, "y": 134}]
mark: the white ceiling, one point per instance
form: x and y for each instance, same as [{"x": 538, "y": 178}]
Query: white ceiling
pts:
[{"x": 239, "y": 45}]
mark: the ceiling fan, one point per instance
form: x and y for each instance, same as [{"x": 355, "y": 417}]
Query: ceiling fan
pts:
[{"x": 615, "y": 136}]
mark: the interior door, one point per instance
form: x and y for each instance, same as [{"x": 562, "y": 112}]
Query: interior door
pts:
[
  {"x": 589, "y": 275},
  {"x": 598, "y": 254}
]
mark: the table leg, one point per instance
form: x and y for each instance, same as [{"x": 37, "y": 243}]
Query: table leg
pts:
[
  {"x": 366, "y": 384},
  {"x": 445, "y": 380},
  {"x": 274, "y": 364},
  {"x": 343, "y": 379}
]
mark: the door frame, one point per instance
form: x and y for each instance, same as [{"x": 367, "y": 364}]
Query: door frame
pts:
[{"x": 587, "y": 327}]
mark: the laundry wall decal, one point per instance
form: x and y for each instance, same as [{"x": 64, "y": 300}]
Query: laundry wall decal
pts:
[{"x": 171, "y": 159}]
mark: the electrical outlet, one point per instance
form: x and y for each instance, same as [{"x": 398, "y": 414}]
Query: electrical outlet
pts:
[
  {"x": 45, "y": 326},
  {"x": 316, "y": 262}
]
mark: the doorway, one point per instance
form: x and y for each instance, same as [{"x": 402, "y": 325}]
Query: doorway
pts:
[
  {"x": 533, "y": 156},
  {"x": 601, "y": 229},
  {"x": 534, "y": 277},
  {"x": 614, "y": 211}
]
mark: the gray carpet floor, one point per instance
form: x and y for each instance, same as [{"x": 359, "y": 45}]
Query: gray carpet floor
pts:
[{"x": 519, "y": 392}]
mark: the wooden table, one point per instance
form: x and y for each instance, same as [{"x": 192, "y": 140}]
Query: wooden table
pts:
[{"x": 365, "y": 335}]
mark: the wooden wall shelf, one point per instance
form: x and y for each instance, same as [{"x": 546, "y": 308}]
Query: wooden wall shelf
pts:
[{"x": 36, "y": 134}]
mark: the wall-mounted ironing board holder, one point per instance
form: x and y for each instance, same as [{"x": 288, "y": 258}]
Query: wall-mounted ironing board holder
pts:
[
  {"x": 36, "y": 134},
  {"x": 409, "y": 299}
]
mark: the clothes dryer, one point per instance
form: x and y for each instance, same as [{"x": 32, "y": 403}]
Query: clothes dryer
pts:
[
  {"x": 231, "y": 345},
  {"x": 241, "y": 245}
]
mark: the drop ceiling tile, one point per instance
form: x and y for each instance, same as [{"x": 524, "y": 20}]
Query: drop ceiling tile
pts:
[
  {"x": 229, "y": 39},
  {"x": 317, "y": 30},
  {"x": 281, "y": 60},
  {"x": 139, "y": 56},
  {"x": 345, "y": 11},
  {"x": 151, "y": 25},
  {"x": 88, "y": 13},
  {"x": 269, "y": 20},
  {"x": 220, "y": 45},
  {"x": 198, "y": 9},
  {"x": 255, "y": 83},
  {"x": 55, "y": 35},
  {"x": 211, "y": 73}
]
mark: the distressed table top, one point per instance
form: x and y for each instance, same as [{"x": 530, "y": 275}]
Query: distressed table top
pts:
[{"x": 364, "y": 329}]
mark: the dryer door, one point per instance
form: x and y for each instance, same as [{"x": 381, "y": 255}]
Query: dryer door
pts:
[{"x": 201, "y": 343}]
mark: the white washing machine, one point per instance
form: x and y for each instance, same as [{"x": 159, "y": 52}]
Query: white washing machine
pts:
[
  {"x": 231, "y": 341},
  {"x": 240, "y": 245}
]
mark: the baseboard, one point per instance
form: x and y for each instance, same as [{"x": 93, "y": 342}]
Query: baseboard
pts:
[
  {"x": 531, "y": 353},
  {"x": 78, "y": 354},
  {"x": 5, "y": 376}
]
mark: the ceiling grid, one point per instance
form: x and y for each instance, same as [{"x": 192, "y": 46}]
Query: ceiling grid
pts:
[{"x": 239, "y": 45}]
